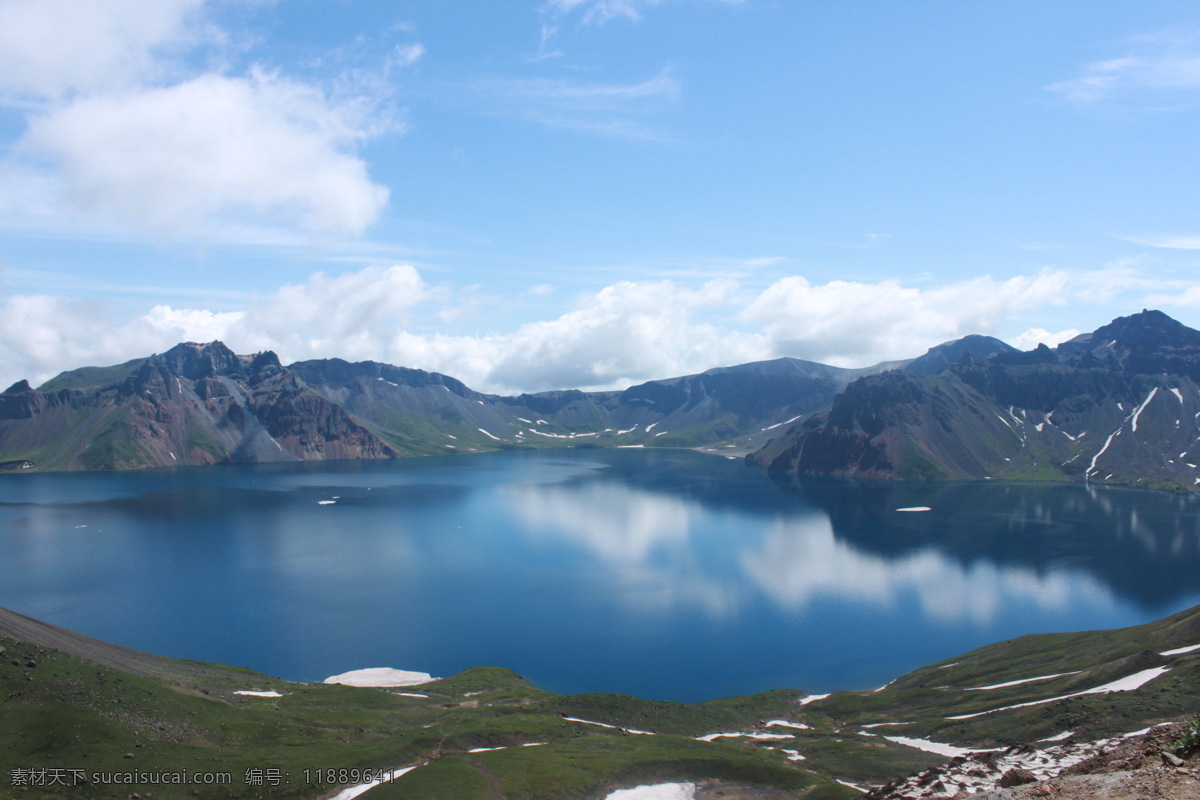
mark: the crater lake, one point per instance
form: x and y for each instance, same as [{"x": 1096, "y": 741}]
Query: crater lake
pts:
[{"x": 664, "y": 574}]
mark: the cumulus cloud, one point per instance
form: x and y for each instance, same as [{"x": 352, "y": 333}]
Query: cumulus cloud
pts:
[
  {"x": 118, "y": 133},
  {"x": 1031, "y": 338},
  {"x": 622, "y": 334},
  {"x": 43, "y": 335},
  {"x": 209, "y": 148},
  {"x": 190, "y": 324},
  {"x": 847, "y": 323},
  {"x": 351, "y": 316},
  {"x": 49, "y": 48}
]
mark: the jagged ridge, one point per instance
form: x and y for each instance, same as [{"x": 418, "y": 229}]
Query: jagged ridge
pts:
[
  {"x": 1119, "y": 405},
  {"x": 203, "y": 404}
]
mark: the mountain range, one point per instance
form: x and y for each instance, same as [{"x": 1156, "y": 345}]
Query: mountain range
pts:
[
  {"x": 203, "y": 404},
  {"x": 1119, "y": 405}
]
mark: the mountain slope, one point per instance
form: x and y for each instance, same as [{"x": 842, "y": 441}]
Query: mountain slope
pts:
[
  {"x": 203, "y": 404},
  {"x": 74, "y": 706},
  {"x": 1117, "y": 406},
  {"x": 84, "y": 718},
  {"x": 195, "y": 404}
]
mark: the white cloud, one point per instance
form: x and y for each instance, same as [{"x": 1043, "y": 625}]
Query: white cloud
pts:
[
  {"x": 622, "y": 334},
  {"x": 1167, "y": 242},
  {"x": 1188, "y": 297},
  {"x": 600, "y": 11},
  {"x": 49, "y": 48},
  {"x": 612, "y": 110},
  {"x": 853, "y": 324},
  {"x": 42, "y": 335},
  {"x": 191, "y": 324},
  {"x": 1162, "y": 62},
  {"x": 1032, "y": 337},
  {"x": 350, "y": 316},
  {"x": 596, "y": 11},
  {"x": 214, "y": 147},
  {"x": 405, "y": 55},
  {"x": 123, "y": 132}
]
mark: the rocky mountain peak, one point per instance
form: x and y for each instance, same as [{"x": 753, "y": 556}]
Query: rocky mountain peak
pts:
[
  {"x": 969, "y": 348},
  {"x": 20, "y": 387},
  {"x": 195, "y": 361},
  {"x": 265, "y": 363},
  {"x": 1148, "y": 329}
]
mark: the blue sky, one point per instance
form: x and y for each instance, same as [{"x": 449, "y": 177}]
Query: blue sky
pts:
[{"x": 588, "y": 193}]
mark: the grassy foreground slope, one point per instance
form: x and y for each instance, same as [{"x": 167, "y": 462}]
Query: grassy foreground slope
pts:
[
  {"x": 87, "y": 719},
  {"x": 74, "y": 708}
]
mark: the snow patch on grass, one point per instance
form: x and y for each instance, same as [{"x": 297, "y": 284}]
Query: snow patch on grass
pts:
[
  {"x": 658, "y": 791},
  {"x": 1126, "y": 684},
  {"x": 1180, "y": 650},
  {"x": 380, "y": 677},
  {"x": 1018, "y": 683}
]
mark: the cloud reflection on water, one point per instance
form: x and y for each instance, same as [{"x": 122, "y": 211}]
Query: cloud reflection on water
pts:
[
  {"x": 665, "y": 552},
  {"x": 645, "y": 539},
  {"x": 802, "y": 559}
]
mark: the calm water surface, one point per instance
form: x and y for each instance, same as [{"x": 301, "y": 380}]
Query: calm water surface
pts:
[{"x": 666, "y": 574}]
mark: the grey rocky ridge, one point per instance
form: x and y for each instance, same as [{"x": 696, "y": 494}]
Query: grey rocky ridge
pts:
[
  {"x": 1120, "y": 406},
  {"x": 202, "y": 404}
]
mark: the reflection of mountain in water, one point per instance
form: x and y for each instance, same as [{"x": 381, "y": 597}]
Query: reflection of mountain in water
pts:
[
  {"x": 1144, "y": 546},
  {"x": 708, "y": 539},
  {"x": 801, "y": 561}
]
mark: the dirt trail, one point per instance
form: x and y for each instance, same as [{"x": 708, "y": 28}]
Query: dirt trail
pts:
[{"x": 495, "y": 785}]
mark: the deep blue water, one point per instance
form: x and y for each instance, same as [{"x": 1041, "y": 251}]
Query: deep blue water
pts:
[{"x": 665, "y": 574}]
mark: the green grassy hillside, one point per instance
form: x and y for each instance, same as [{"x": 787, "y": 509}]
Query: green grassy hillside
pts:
[{"x": 87, "y": 713}]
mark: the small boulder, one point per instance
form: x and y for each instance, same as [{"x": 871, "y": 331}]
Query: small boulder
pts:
[{"x": 1016, "y": 777}]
